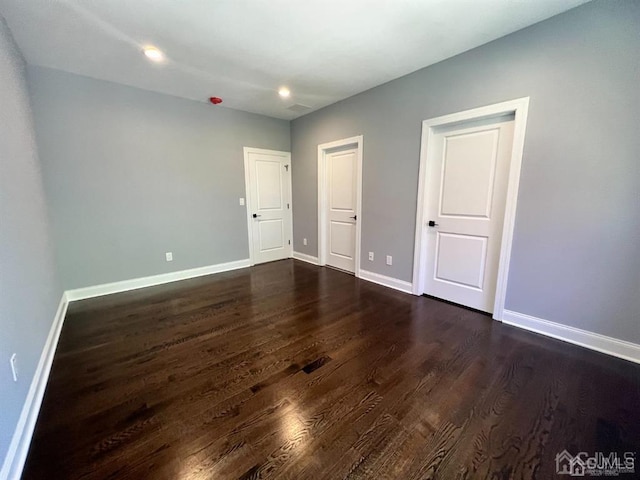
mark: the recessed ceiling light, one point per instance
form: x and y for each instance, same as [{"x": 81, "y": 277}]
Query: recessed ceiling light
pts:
[
  {"x": 284, "y": 92},
  {"x": 152, "y": 53}
]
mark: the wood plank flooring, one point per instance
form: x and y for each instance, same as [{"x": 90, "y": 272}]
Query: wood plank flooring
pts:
[{"x": 287, "y": 370}]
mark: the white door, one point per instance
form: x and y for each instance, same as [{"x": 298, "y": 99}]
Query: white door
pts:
[
  {"x": 268, "y": 181},
  {"x": 466, "y": 194},
  {"x": 342, "y": 171}
]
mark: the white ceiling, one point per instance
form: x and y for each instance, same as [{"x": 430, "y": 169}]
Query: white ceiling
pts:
[{"x": 243, "y": 50}]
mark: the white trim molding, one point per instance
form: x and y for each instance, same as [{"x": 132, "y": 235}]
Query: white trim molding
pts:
[
  {"x": 305, "y": 258},
  {"x": 143, "y": 282},
  {"x": 520, "y": 109},
  {"x": 19, "y": 446},
  {"x": 323, "y": 200},
  {"x": 385, "y": 281},
  {"x": 594, "y": 341}
]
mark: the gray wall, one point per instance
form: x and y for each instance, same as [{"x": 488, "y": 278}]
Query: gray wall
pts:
[
  {"x": 132, "y": 174},
  {"x": 29, "y": 287},
  {"x": 576, "y": 251}
]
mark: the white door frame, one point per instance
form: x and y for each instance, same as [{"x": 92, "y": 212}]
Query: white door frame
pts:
[
  {"x": 518, "y": 107},
  {"x": 323, "y": 199},
  {"x": 249, "y": 202}
]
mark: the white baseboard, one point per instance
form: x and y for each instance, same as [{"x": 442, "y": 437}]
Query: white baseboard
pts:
[
  {"x": 19, "y": 446},
  {"x": 134, "y": 284},
  {"x": 594, "y": 341},
  {"x": 390, "y": 282},
  {"x": 305, "y": 258}
]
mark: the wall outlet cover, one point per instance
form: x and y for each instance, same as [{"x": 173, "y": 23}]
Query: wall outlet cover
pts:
[
  {"x": 389, "y": 260},
  {"x": 169, "y": 256},
  {"x": 14, "y": 366},
  {"x": 371, "y": 256}
]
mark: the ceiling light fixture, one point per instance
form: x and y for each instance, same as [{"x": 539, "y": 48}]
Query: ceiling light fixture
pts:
[
  {"x": 284, "y": 92},
  {"x": 153, "y": 54}
]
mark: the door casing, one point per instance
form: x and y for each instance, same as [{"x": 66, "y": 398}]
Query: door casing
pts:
[
  {"x": 249, "y": 201},
  {"x": 519, "y": 108},
  {"x": 357, "y": 143}
]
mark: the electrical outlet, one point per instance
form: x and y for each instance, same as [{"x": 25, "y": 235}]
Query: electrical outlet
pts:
[
  {"x": 169, "y": 256},
  {"x": 14, "y": 366},
  {"x": 242, "y": 201},
  {"x": 304, "y": 241},
  {"x": 371, "y": 256},
  {"x": 389, "y": 260}
]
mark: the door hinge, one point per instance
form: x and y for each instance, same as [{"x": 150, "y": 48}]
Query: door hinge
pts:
[
  {"x": 289, "y": 242},
  {"x": 286, "y": 167},
  {"x": 288, "y": 206}
]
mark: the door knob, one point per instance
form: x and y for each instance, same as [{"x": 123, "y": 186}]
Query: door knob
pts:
[
  {"x": 432, "y": 223},
  {"x": 255, "y": 215}
]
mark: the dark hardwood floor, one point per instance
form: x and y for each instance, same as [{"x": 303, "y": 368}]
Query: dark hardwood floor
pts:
[{"x": 287, "y": 370}]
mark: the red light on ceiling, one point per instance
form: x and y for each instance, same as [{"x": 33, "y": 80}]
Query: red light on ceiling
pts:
[{"x": 215, "y": 100}]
